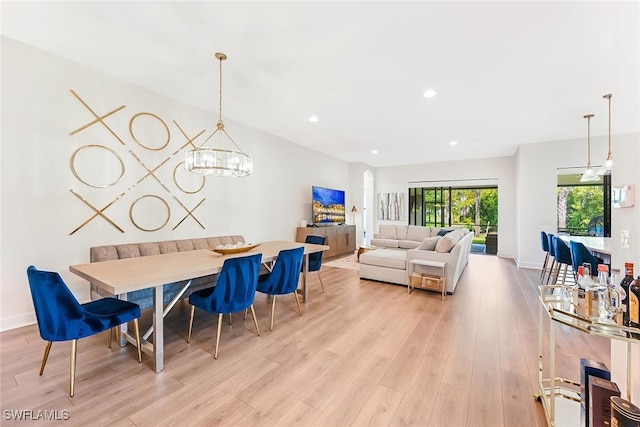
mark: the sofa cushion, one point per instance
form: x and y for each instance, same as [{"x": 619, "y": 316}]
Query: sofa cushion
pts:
[
  {"x": 401, "y": 232},
  {"x": 385, "y": 258},
  {"x": 417, "y": 233},
  {"x": 385, "y": 243},
  {"x": 147, "y": 249},
  {"x": 429, "y": 243},
  {"x": 168, "y": 247},
  {"x": 449, "y": 240},
  {"x": 128, "y": 251},
  {"x": 388, "y": 232},
  {"x": 408, "y": 244}
]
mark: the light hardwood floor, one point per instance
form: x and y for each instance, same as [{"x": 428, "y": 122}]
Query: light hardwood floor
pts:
[{"x": 363, "y": 353}]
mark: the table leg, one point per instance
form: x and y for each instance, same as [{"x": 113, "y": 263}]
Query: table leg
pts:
[
  {"x": 305, "y": 272},
  {"x": 158, "y": 328}
]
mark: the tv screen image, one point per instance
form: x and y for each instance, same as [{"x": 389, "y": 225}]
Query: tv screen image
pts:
[{"x": 328, "y": 206}]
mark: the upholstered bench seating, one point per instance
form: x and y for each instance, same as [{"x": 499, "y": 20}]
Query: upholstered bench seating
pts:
[{"x": 144, "y": 297}]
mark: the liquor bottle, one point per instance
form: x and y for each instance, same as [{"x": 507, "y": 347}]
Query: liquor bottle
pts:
[
  {"x": 634, "y": 303},
  {"x": 603, "y": 275},
  {"x": 614, "y": 297},
  {"x": 624, "y": 297}
]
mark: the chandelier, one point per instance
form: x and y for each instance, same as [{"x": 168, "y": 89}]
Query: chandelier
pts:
[
  {"x": 589, "y": 175},
  {"x": 218, "y": 161}
]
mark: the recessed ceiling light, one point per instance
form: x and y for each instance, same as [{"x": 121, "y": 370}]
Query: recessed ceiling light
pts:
[
  {"x": 453, "y": 143},
  {"x": 374, "y": 152},
  {"x": 313, "y": 119},
  {"x": 429, "y": 93}
]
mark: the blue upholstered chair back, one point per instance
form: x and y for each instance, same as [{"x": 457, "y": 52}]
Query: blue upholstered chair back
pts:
[
  {"x": 562, "y": 251},
  {"x": 552, "y": 249},
  {"x": 235, "y": 289},
  {"x": 544, "y": 239},
  {"x": 283, "y": 279},
  {"x": 55, "y": 306},
  {"x": 580, "y": 254},
  {"x": 315, "y": 259}
]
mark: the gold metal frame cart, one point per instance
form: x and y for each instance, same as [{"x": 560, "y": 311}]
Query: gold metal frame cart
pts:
[{"x": 560, "y": 397}]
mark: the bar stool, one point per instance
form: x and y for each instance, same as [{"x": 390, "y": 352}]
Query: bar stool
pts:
[
  {"x": 544, "y": 240},
  {"x": 552, "y": 255},
  {"x": 562, "y": 257},
  {"x": 580, "y": 255}
]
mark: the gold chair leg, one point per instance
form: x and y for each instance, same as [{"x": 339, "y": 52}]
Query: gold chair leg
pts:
[
  {"x": 321, "y": 284},
  {"x": 551, "y": 269},
  {"x": 229, "y": 319},
  {"x": 47, "y": 349},
  {"x": 255, "y": 321},
  {"x": 273, "y": 312},
  {"x": 295, "y": 294},
  {"x": 193, "y": 311},
  {"x": 109, "y": 337},
  {"x": 215, "y": 356},
  {"x": 556, "y": 274},
  {"x": 136, "y": 327},
  {"x": 72, "y": 368},
  {"x": 245, "y": 314},
  {"x": 544, "y": 267}
]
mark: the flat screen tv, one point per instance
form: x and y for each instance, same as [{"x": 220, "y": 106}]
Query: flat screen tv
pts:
[{"x": 328, "y": 206}]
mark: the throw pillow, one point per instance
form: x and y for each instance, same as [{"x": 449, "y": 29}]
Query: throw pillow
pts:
[
  {"x": 444, "y": 231},
  {"x": 448, "y": 242},
  {"x": 429, "y": 243}
]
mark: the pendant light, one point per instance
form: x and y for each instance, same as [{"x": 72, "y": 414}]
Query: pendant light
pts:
[
  {"x": 606, "y": 167},
  {"x": 219, "y": 161},
  {"x": 589, "y": 175}
]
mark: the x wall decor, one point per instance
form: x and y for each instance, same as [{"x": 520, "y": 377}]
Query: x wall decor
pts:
[{"x": 150, "y": 134}]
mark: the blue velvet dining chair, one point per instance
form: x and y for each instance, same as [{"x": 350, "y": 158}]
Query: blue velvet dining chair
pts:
[
  {"x": 552, "y": 256},
  {"x": 283, "y": 279},
  {"x": 234, "y": 291},
  {"x": 580, "y": 255},
  {"x": 544, "y": 240},
  {"x": 62, "y": 318},
  {"x": 562, "y": 255},
  {"x": 315, "y": 259}
]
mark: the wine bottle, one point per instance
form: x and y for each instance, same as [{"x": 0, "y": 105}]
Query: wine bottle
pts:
[
  {"x": 634, "y": 303},
  {"x": 624, "y": 298}
]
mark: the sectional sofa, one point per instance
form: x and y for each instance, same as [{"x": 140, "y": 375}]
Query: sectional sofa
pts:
[{"x": 397, "y": 245}]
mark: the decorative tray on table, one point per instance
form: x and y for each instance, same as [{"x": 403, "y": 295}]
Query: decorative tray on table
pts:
[{"x": 226, "y": 250}]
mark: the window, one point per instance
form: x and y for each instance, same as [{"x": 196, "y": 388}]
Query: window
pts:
[
  {"x": 473, "y": 207},
  {"x": 584, "y": 208}
]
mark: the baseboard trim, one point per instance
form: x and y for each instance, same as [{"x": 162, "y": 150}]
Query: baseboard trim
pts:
[{"x": 15, "y": 322}]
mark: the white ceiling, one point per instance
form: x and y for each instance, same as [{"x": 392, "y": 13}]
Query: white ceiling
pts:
[{"x": 506, "y": 73}]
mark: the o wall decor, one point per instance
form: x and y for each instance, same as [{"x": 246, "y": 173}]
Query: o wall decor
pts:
[
  {"x": 153, "y": 155},
  {"x": 391, "y": 206}
]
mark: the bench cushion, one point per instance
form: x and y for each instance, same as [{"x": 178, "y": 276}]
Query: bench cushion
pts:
[{"x": 385, "y": 258}]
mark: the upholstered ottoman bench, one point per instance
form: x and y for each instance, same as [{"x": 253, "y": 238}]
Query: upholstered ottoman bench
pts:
[{"x": 385, "y": 265}]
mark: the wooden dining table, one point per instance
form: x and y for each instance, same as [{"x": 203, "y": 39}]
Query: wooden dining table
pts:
[{"x": 118, "y": 277}]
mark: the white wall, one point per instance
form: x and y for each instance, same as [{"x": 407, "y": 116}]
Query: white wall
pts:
[
  {"x": 397, "y": 179},
  {"x": 38, "y": 210}
]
